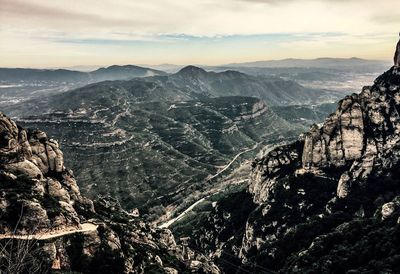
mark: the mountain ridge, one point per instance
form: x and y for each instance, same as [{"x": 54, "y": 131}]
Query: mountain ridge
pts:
[{"x": 114, "y": 72}]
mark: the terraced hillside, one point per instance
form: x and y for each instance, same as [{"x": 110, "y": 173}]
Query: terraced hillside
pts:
[
  {"x": 155, "y": 143},
  {"x": 152, "y": 154}
]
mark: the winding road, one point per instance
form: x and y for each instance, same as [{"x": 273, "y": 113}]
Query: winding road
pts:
[
  {"x": 233, "y": 160},
  {"x": 86, "y": 227},
  {"x": 190, "y": 208}
]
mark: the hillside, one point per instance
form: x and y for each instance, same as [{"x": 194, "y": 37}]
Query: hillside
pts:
[
  {"x": 157, "y": 154},
  {"x": 190, "y": 125}
]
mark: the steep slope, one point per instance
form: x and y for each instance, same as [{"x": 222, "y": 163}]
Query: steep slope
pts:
[
  {"x": 45, "y": 223},
  {"x": 328, "y": 203}
]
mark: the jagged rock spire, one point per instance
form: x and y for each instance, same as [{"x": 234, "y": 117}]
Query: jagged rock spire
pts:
[{"x": 397, "y": 55}]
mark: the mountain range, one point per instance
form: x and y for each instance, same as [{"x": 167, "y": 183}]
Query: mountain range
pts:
[
  {"x": 352, "y": 63},
  {"x": 63, "y": 75}
]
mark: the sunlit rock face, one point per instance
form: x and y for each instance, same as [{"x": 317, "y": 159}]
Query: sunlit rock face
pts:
[
  {"x": 33, "y": 173},
  {"x": 362, "y": 130}
]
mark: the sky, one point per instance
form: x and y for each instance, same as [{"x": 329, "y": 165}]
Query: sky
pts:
[{"x": 62, "y": 33}]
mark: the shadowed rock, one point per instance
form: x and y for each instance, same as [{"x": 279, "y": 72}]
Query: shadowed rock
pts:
[{"x": 397, "y": 55}]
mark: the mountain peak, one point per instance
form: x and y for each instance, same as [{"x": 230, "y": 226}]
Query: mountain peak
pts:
[
  {"x": 191, "y": 70},
  {"x": 119, "y": 67}
]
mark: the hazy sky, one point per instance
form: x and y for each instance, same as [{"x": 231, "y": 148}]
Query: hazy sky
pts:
[{"x": 53, "y": 33}]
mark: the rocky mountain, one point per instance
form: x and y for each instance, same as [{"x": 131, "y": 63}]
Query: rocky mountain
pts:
[
  {"x": 327, "y": 203},
  {"x": 47, "y": 225}
]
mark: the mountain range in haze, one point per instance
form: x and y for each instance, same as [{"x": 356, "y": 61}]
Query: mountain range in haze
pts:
[{"x": 60, "y": 75}]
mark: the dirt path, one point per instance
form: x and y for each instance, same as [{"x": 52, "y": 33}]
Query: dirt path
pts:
[
  {"x": 86, "y": 227},
  {"x": 180, "y": 216},
  {"x": 232, "y": 161},
  {"x": 170, "y": 222}
]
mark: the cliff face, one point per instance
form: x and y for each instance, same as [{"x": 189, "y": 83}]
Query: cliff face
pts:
[
  {"x": 40, "y": 202},
  {"x": 397, "y": 56},
  {"x": 347, "y": 167},
  {"x": 323, "y": 201},
  {"x": 356, "y": 139},
  {"x": 38, "y": 192}
]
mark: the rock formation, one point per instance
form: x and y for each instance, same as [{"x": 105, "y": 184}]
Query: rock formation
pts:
[
  {"x": 40, "y": 198},
  {"x": 364, "y": 129},
  {"x": 320, "y": 203},
  {"x": 397, "y": 55}
]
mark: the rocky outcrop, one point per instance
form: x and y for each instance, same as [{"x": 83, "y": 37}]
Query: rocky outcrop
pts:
[
  {"x": 349, "y": 152},
  {"x": 40, "y": 198},
  {"x": 354, "y": 139},
  {"x": 280, "y": 161},
  {"x": 397, "y": 56},
  {"x": 35, "y": 182}
]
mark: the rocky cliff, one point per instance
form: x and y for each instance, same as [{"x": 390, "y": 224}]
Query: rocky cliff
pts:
[
  {"x": 397, "y": 56},
  {"x": 328, "y": 203},
  {"x": 40, "y": 203}
]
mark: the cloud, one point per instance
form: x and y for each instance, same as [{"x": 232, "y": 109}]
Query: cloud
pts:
[
  {"x": 201, "y": 18},
  {"x": 389, "y": 18},
  {"x": 24, "y": 10},
  {"x": 185, "y": 29}
]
